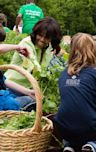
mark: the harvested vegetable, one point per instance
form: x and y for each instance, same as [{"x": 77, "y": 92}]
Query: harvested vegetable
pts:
[{"x": 21, "y": 121}]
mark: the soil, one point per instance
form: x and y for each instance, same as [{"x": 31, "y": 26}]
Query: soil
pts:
[
  {"x": 55, "y": 146},
  {"x": 54, "y": 149}
]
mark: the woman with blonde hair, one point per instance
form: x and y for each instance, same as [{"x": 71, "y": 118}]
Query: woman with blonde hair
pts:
[{"x": 76, "y": 117}]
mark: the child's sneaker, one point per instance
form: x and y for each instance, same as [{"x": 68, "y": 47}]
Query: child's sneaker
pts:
[
  {"x": 68, "y": 149},
  {"x": 88, "y": 148},
  {"x": 67, "y": 146}
]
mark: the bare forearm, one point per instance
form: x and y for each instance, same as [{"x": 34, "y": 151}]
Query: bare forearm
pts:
[
  {"x": 12, "y": 47},
  {"x": 18, "y": 20},
  {"x": 16, "y": 87},
  {"x": 8, "y": 47}
]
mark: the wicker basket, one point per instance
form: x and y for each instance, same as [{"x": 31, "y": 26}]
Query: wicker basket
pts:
[{"x": 35, "y": 139}]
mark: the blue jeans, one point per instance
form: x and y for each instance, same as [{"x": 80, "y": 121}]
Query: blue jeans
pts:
[
  {"x": 8, "y": 101},
  {"x": 11, "y": 100}
]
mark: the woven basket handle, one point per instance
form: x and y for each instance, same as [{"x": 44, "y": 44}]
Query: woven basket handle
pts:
[{"x": 38, "y": 94}]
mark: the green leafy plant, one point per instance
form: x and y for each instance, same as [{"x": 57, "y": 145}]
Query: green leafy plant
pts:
[
  {"x": 48, "y": 81},
  {"x": 20, "y": 121}
]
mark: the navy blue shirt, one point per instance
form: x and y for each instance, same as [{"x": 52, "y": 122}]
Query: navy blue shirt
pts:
[{"x": 77, "y": 111}]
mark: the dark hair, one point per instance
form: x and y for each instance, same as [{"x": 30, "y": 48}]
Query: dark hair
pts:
[
  {"x": 2, "y": 34},
  {"x": 49, "y": 28},
  {"x": 3, "y": 19}
]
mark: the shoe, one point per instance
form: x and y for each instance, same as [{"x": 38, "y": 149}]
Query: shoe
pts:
[
  {"x": 29, "y": 107},
  {"x": 88, "y": 148},
  {"x": 68, "y": 149}
]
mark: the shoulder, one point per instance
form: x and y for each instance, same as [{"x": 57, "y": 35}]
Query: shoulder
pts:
[
  {"x": 89, "y": 70},
  {"x": 6, "y": 29},
  {"x": 23, "y": 6},
  {"x": 93, "y": 71},
  {"x": 26, "y": 39},
  {"x": 39, "y": 8},
  {"x": 88, "y": 73},
  {"x": 28, "y": 43},
  {"x": 64, "y": 72}
]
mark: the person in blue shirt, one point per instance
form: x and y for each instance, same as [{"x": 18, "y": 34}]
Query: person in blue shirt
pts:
[
  {"x": 12, "y": 95},
  {"x": 75, "y": 120}
]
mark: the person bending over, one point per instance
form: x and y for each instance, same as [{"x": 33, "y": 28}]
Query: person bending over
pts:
[{"x": 75, "y": 120}]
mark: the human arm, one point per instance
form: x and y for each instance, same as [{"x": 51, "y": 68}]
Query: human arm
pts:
[
  {"x": 11, "y": 47},
  {"x": 22, "y": 61},
  {"x": 19, "y": 88},
  {"x": 19, "y": 17},
  {"x": 18, "y": 20}
]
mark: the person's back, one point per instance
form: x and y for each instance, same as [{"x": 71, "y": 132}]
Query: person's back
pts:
[
  {"x": 77, "y": 103},
  {"x": 30, "y": 14},
  {"x": 76, "y": 117}
]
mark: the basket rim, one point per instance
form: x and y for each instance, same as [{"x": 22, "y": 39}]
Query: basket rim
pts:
[
  {"x": 25, "y": 131},
  {"x": 38, "y": 94}
]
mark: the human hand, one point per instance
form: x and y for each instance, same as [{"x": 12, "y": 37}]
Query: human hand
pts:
[
  {"x": 23, "y": 50},
  {"x": 31, "y": 93},
  {"x": 17, "y": 30}
]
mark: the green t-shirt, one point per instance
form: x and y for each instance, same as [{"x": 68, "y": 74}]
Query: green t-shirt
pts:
[
  {"x": 6, "y": 29},
  {"x": 31, "y": 14}
]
